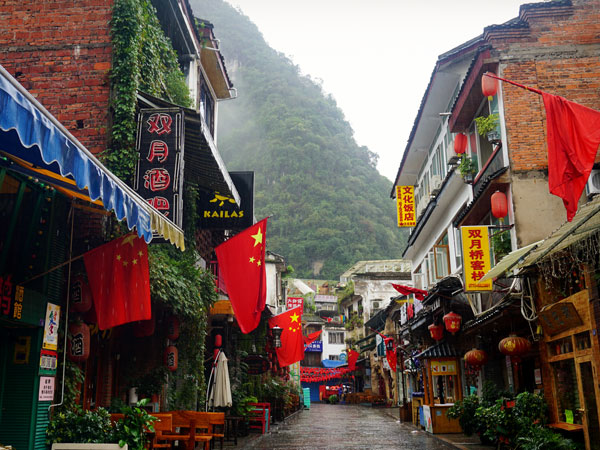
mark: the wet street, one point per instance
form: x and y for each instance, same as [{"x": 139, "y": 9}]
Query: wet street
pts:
[{"x": 347, "y": 427}]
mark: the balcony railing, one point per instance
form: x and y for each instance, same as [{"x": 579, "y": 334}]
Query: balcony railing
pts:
[{"x": 493, "y": 164}]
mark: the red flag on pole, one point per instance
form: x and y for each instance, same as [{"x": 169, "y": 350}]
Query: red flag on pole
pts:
[
  {"x": 312, "y": 337},
  {"x": 292, "y": 340},
  {"x": 419, "y": 294},
  {"x": 242, "y": 265},
  {"x": 119, "y": 281},
  {"x": 573, "y": 135},
  {"x": 352, "y": 358},
  {"x": 573, "y": 139}
]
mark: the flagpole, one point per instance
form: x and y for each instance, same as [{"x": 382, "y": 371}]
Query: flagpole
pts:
[{"x": 522, "y": 86}]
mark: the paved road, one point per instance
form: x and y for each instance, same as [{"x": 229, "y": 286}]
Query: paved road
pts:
[{"x": 345, "y": 427}]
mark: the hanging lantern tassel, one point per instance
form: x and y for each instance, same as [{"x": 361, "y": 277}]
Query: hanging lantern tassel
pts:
[{"x": 489, "y": 86}]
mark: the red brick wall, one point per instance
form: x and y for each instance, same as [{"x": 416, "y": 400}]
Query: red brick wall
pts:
[
  {"x": 558, "y": 53},
  {"x": 60, "y": 51}
]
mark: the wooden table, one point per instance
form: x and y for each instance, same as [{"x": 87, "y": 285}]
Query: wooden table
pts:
[
  {"x": 231, "y": 428},
  {"x": 566, "y": 426}
]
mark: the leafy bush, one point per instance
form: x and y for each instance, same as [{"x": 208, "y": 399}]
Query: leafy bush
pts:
[
  {"x": 76, "y": 425},
  {"x": 131, "y": 430},
  {"x": 464, "y": 411},
  {"x": 540, "y": 438},
  {"x": 333, "y": 399}
]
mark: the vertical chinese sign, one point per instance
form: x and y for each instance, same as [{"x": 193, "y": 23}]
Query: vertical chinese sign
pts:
[
  {"x": 476, "y": 258},
  {"x": 405, "y": 201},
  {"x": 159, "y": 172}
]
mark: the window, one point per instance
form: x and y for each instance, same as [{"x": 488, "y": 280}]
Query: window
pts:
[
  {"x": 442, "y": 258},
  {"x": 458, "y": 247},
  {"x": 431, "y": 267},
  {"x": 335, "y": 337},
  {"x": 206, "y": 105}
]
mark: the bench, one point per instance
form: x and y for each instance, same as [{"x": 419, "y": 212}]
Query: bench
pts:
[{"x": 194, "y": 427}]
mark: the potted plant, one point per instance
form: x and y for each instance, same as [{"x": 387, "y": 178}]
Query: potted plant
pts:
[
  {"x": 151, "y": 383},
  {"x": 488, "y": 126},
  {"x": 467, "y": 168}
]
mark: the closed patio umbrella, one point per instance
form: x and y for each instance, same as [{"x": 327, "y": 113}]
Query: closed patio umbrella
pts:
[{"x": 220, "y": 395}]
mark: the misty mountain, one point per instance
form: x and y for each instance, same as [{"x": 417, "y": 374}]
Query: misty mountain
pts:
[{"x": 330, "y": 205}]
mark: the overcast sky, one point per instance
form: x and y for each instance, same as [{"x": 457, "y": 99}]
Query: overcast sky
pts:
[{"x": 374, "y": 56}]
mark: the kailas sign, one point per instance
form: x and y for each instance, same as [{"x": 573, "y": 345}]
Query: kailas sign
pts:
[
  {"x": 405, "y": 202},
  {"x": 159, "y": 172},
  {"x": 219, "y": 211},
  {"x": 476, "y": 257}
]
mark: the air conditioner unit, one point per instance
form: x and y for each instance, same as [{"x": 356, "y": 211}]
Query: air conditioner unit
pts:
[
  {"x": 593, "y": 183},
  {"x": 436, "y": 184}
]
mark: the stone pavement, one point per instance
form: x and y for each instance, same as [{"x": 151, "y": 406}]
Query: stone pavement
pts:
[{"x": 351, "y": 427}]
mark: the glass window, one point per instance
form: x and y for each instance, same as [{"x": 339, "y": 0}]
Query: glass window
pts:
[
  {"x": 442, "y": 261},
  {"x": 431, "y": 266},
  {"x": 335, "y": 337}
]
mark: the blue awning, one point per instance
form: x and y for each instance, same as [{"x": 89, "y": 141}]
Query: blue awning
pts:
[
  {"x": 30, "y": 133},
  {"x": 332, "y": 363}
]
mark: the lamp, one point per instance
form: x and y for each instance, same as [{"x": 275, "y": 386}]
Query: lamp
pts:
[{"x": 277, "y": 336}]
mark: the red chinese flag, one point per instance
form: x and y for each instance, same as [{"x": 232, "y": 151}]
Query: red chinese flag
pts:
[
  {"x": 242, "y": 266},
  {"x": 119, "y": 280},
  {"x": 292, "y": 340},
  {"x": 352, "y": 358},
  {"x": 390, "y": 354},
  {"x": 420, "y": 294},
  {"x": 312, "y": 337},
  {"x": 573, "y": 139}
]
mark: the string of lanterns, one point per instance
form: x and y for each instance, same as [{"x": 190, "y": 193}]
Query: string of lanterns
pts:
[{"x": 317, "y": 374}]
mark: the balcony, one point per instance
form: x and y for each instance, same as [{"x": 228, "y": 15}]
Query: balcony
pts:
[
  {"x": 491, "y": 168},
  {"x": 220, "y": 287}
]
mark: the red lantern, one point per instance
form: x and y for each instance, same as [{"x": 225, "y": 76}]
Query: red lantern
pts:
[
  {"x": 173, "y": 328},
  {"x": 143, "y": 328},
  {"x": 436, "y": 331},
  {"x": 81, "y": 295},
  {"x": 489, "y": 85},
  {"x": 460, "y": 143},
  {"x": 514, "y": 346},
  {"x": 218, "y": 340},
  {"x": 476, "y": 358},
  {"x": 79, "y": 342},
  {"x": 171, "y": 358},
  {"x": 452, "y": 322},
  {"x": 499, "y": 205}
]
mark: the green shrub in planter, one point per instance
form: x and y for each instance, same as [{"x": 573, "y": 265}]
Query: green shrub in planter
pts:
[
  {"x": 78, "y": 426},
  {"x": 333, "y": 399},
  {"x": 464, "y": 411},
  {"x": 540, "y": 438}
]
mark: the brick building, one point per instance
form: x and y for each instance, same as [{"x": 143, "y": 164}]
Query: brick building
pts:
[{"x": 551, "y": 46}]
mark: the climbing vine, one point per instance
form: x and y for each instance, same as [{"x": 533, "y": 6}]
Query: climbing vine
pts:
[{"x": 143, "y": 59}]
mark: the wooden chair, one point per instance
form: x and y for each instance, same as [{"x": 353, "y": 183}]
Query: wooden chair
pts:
[
  {"x": 216, "y": 420},
  {"x": 194, "y": 428},
  {"x": 259, "y": 416},
  {"x": 163, "y": 424}
]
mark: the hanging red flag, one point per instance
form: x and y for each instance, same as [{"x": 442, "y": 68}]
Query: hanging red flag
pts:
[
  {"x": 352, "y": 358},
  {"x": 312, "y": 337},
  {"x": 419, "y": 294},
  {"x": 119, "y": 280},
  {"x": 573, "y": 139},
  {"x": 390, "y": 352},
  {"x": 292, "y": 342},
  {"x": 573, "y": 135},
  {"x": 242, "y": 266}
]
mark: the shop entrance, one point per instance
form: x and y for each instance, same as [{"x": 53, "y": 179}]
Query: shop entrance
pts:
[{"x": 589, "y": 410}]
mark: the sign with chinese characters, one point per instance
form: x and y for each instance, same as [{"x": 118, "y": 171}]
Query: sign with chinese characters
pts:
[
  {"x": 559, "y": 317},
  {"x": 48, "y": 362},
  {"x": 315, "y": 346},
  {"x": 51, "y": 327},
  {"x": 405, "y": 202},
  {"x": 293, "y": 302},
  {"x": 11, "y": 298},
  {"x": 159, "y": 172},
  {"x": 476, "y": 257},
  {"x": 46, "y": 392},
  {"x": 443, "y": 367},
  {"x": 219, "y": 211}
]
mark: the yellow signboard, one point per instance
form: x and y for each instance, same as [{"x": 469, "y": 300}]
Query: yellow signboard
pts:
[
  {"x": 443, "y": 367},
  {"x": 405, "y": 201},
  {"x": 476, "y": 257}
]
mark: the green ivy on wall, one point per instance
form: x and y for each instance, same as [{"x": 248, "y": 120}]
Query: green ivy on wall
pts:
[{"x": 143, "y": 59}]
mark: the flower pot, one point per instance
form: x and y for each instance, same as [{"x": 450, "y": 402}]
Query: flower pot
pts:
[{"x": 493, "y": 137}]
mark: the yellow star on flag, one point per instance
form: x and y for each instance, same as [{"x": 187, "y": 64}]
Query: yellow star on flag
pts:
[
  {"x": 134, "y": 261},
  {"x": 294, "y": 317},
  {"x": 125, "y": 263},
  {"x": 257, "y": 237},
  {"x": 258, "y": 263},
  {"x": 118, "y": 257},
  {"x": 252, "y": 259},
  {"x": 128, "y": 240}
]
